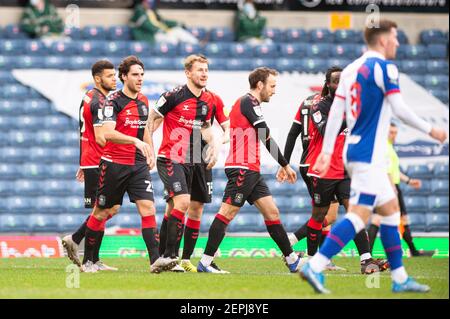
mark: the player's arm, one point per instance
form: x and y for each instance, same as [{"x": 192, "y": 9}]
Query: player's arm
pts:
[
  {"x": 97, "y": 118},
  {"x": 413, "y": 182},
  {"x": 294, "y": 132},
  {"x": 226, "y": 132},
  {"x": 147, "y": 139},
  {"x": 208, "y": 137}
]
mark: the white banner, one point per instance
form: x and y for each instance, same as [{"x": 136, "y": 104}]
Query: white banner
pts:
[{"x": 66, "y": 88}]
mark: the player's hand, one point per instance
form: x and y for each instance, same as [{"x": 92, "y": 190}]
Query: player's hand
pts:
[
  {"x": 322, "y": 164},
  {"x": 147, "y": 151},
  {"x": 438, "y": 134},
  {"x": 211, "y": 156},
  {"x": 80, "y": 175},
  {"x": 291, "y": 175},
  {"x": 415, "y": 183},
  {"x": 281, "y": 175}
]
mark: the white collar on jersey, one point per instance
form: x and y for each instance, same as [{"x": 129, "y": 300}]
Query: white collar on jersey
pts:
[{"x": 374, "y": 54}]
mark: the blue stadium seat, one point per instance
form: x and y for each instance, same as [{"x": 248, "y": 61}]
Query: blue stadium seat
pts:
[
  {"x": 437, "y": 222},
  {"x": 93, "y": 32},
  {"x": 185, "y": 49},
  {"x": 402, "y": 37},
  {"x": 42, "y": 154},
  {"x": 35, "y": 107},
  {"x": 343, "y": 51},
  {"x": 419, "y": 79},
  {"x": 5, "y": 188},
  {"x": 160, "y": 63},
  {"x": 240, "y": 50},
  {"x": 436, "y": 82},
  {"x": 91, "y": 48},
  {"x": 439, "y": 186},
  {"x": 283, "y": 201},
  {"x": 29, "y": 122},
  {"x": 247, "y": 223},
  {"x": 6, "y": 123},
  {"x": 68, "y": 154},
  {"x": 275, "y": 34},
  {"x": 80, "y": 63},
  {"x": 207, "y": 220},
  {"x": 337, "y": 62},
  {"x": 55, "y": 62},
  {"x": 413, "y": 52},
  {"x": 43, "y": 223},
  {"x": 280, "y": 189},
  {"x": 263, "y": 62},
  {"x": 164, "y": 50},
  {"x": 6, "y": 77},
  {"x": 118, "y": 33},
  {"x": 21, "y": 138},
  {"x": 71, "y": 138},
  {"x": 319, "y": 51},
  {"x": 416, "y": 203},
  {"x": 321, "y": 35},
  {"x": 419, "y": 171},
  {"x": 440, "y": 170},
  {"x": 347, "y": 36},
  {"x": 75, "y": 205},
  {"x": 69, "y": 222},
  {"x": 7, "y": 63},
  {"x": 15, "y": 91},
  {"x": 62, "y": 171},
  {"x": 360, "y": 49},
  {"x": 13, "y": 155},
  {"x": 219, "y": 187},
  {"x": 117, "y": 48},
  {"x": 293, "y": 50},
  {"x": 55, "y": 187},
  {"x": 8, "y": 171},
  {"x": 13, "y": 223},
  {"x": 64, "y": 48},
  {"x": 73, "y": 33},
  {"x": 3, "y": 138},
  {"x": 138, "y": 48},
  {"x": 432, "y": 36},
  {"x": 438, "y": 203},
  {"x": 20, "y": 204},
  {"x": 57, "y": 122},
  {"x": 221, "y": 34},
  {"x": 49, "y": 138},
  {"x": 313, "y": 65},
  {"x": 413, "y": 67},
  {"x": 288, "y": 65},
  {"x": 34, "y": 171},
  {"x": 239, "y": 64},
  {"x": 128, "y": 220},
  {"x": 49, "y": 204},
  {"x": 218, "y": 50},
  {"x": 35, "y": 48},
  {"x": 198, "y": 32},
  {"x": 75, "y": 188},
  {"x": 13, "y": 31},
  {"x": 266, "y": 51},
  {"x": 293, "y": 221},
  {"x": 301, "y": 204},
  {"x": 437, "y": 67},
  {"x": 437, "y": 51},
  {"x": 30, "y": 62},
  {"x": 296, "y": 35},
  {"x": 12, "y": 47},
  {"x": 424, "y": 190},
  {"x": 417, "y": 221},
  {"x": 28, "y": 187},
  {"x": 300, "y": 189}
]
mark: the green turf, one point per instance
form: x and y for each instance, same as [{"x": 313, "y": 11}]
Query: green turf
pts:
[{"x": 250, "y": 278}]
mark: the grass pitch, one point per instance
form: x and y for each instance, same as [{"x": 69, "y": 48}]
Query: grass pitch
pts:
[{"x": 256, "y": 278}]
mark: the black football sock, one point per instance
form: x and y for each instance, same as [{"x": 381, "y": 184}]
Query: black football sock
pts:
[
  {"x": 93, "y": 232},
  {"x": 216, "y": 234},
  {"x": 97, "y": 247},
  {"x": 302, "y": 232},
  {"x": 78, "y": 236},
  {"x": 362, "y": 242},
  {"x": 314, "y": 229},
  {"x": 279, "y": 236},
  {"x": 409, "y": 240},
  {"x": 180, "y": 231},
  {"x": 163, "y": 236},
  {"x": 150, "y": 236},
  {"x": 174, "y": 224},
  {"x": 191, "y": 231},
  {"x": 373, "y": 231}
]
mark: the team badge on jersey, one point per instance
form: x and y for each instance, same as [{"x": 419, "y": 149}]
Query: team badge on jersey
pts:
[
  {"x": 102, "y": 200},
  {"x": 317, "y": 116},
  {"x": 144, "y": 110},
  {"x": 258, "y": 110},
  {"x": 204, "y": 109},
  {"x": 109, "y": 111}
]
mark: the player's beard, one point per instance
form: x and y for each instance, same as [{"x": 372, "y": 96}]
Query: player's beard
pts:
[{"x": 107, "y": 87}]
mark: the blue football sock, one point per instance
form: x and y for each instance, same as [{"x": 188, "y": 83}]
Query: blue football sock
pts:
[
  {"x": 390, "y": 238},
  {"x": 339, "y": 236}
]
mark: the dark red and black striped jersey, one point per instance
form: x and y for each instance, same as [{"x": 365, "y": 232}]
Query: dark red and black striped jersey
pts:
[
  {"x": 130, "y": 116},
  {"x": 184, "y": 116},
  {"x": 244, "y": 141},
  {"x": 303, "y": 119},
  {"x": 90, "y": 116}
]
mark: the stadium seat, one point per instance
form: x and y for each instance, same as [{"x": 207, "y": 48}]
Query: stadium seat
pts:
[
  {"x": 413, "y": 52},
  {"x": 343, "y": 51},
  {"x": 441, "y": 95},
  {"x": 207, "y": 220},
  {"x": 13, "y": 155},
  {"x": 6, "y": 123},
  {"x": 12, "y": 47},
  {"x": 33, "y": 171},
  {"x": 3, "y": 138},
  {"x": 35, "y": 107},
  {"x": 75, "y": 205},
  {"x": 57, "y": 122},
  {"x": 185, "y": 49},
  {"x": 319, "y": 51},
  {"x": 336, "y": 62},
  {"x": 412, "y": 67},
  {"x": 42, "y": 154},
  {"x": 67, "y": 155},
  {"x": 43, "y": 223},
  {"x": 288, "y": 65},
  {"x": 13, "y": 31},
  {"x": 263, "y": 62},
  {"x": 35, "y": 48},
  {"x": 275, "y": 34},
  {"x": 424, "y": 190},
  {"x": 118, "y": 33},
  {"x": 10, "y": 223},
  {"x": 417, "y": 221},
  {"x": 7, "y": 63},
  {"x": 283, "y": 201},
  {"x": 313, "y": 65},
  {"x": 19, "y": 204},
  {"x": 30, "y": 62},
  {"x": 440, "y": 170},
  {"x": 240, "y": 50},
  {"x": 6, "y": 77},
  {"x": 69, "y": 222},
  {"x": 293, "y": 50},
  {"x": 8, "y": 171},
  {"x": 221, "y": 34},
  {"x": 29, "y": 122},
  {"x": 160, "y": 63},
  {"x": 293, "y": 221},
  {"x": 439, "y": 186},
  {"x": 437, "y": 51},
  {"x": 49, "y": 204},
  {"x": 138, "y": 48},
  {"x": 436, "y": 82},
  {"x": 6, "y": 189},
  {"x": 418, "y": 171},
  {"x": 296, "y": 35},
  {"x": 71, "y": 138},
  {"x": 301, "y": 204},
  {"x": 93, "y": 32},
  {"x": 199, "y": 32},
  {"x": 218, "y": 50},
  {"x": 432, "y": 36},
  {"x": 117, "y": 49},
  {"x": 91, "y": 48},
  {"x": 437, "y": 222},
  {"x": 346, "y": 36},
  {"x": 321, "y": 35},
  {"x": 416, "y": 203},
  {"x": 280, "y": 189},
  {"x": 49, "y": 138},
  {"x": 266, "y": 51},
  {"x": 27, "y": 187},
  {"x": 437, "y": 67},
  {"x": 128, "y": 220},
  {"x": 219, "y": 186},
  {"x": 402, "y": 37},
  {"x": 360, "y": 49},
  {"x": 164, "y": 50},
  {"x": 55, "y": 187},
  {"x": 247, "y": 223},
  {"x": 15, "y": 91},
  {"x": 419, "y": 79},
  {"x": 67, "y": 171},
  {"x": 438, "y": 203},
  {"x": 80, "y": 63},
  {"x": 73, "y": 33},
  {"x": 20, "y": 138},
  {"x": 300, "y": 189},
  {"x": 55, "y": 62},
  {"x": 239, "y": 64}
]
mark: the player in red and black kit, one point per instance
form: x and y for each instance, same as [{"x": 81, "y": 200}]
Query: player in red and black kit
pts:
[
  {"x": 126, "y": 163},
  {"x": 91, "y": 149},
  {"x": 187, "y": 112},
  {"x": 242, "y": 167}
]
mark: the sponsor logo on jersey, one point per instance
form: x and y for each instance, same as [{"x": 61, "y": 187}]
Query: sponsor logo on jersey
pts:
[
  {"x": 135, "y": 123},
  {"x": 317, "y": 116},
  {"x": 191, "y": 123}
]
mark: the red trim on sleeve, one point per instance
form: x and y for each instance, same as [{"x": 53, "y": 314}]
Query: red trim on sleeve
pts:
[
  {"x": 340, "y": 96},
  {"x": 392, "y": 92}
]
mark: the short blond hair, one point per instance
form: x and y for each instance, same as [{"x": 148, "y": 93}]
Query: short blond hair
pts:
[{"x": 190, "y": 60}]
